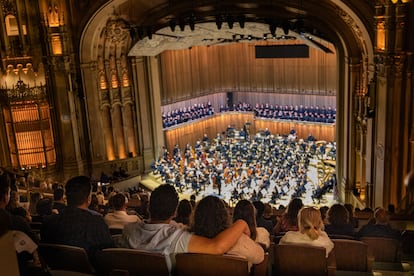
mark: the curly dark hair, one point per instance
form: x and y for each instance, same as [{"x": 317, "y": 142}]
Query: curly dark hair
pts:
[
  {"x": 210, "y": 217},
  {"x": 245, "y": 210}
]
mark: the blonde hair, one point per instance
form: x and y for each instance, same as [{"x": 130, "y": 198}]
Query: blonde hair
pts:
[{"x": 310, "y": 222}]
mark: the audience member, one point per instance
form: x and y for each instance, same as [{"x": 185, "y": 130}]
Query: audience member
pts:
[
  {"x": 24, "y": 238},
  {"x": 142, "y": 209},
  {"x": 289, "y": 220},
  {"x": 260, "y": 220},
  {"x": 58, "y": 201},
  {"x": 94, "y": 206},
  {"x": 18, "y": 223},
  {"x": 158, "y": 235},
  {"x": 310, "y": 231},
  {"x": 352, "y": 219},
  {"x": 44, "y": 209},
  {"x": 381, "y": 227},
  {"x": 77, "y": 225},
  {"x": 26, "y": 249},
  {"x": 211, "y": 218},
  {"x": 245, "y": 210},
  {"x": 184, "y": 212},
  {"x": 338, "y": 221},
  {"x": 35, "y": 197},
  {"x": 119, "y": 217}
]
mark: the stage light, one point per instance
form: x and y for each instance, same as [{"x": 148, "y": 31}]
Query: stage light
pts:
[
  {"x": 285, "y": 27},
  {"x": 191, "y": 22},
  {"x": 272, "y": 28},
  {"x": 230, "y": 21},
  {"x": 242, "y": 20},
  {"x": 219, "y": 22},
  {"x": 182, "y": 24},
  {"x": 149, "y": 32},
  {"x": 172, "y": 25}
]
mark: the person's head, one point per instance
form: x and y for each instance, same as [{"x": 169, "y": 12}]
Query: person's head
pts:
[
  {"x": 310, "y": 222},
  {"x": 78, "y": 191},
  {"x": 44, "y": 207},
  {"x": 260, "y": 207},
  {"x": 338, "y": 215},
  {"x": 163, "y": 203},
  {"x": 245, "y": 210},
  {"x": 13, "y": 201},
  {"x": 118, "y": 202},
  {"x": 210, "y": 217},
  {"x": 293, "y": 208},
  {"x": 184, "y": 211},
  {"x": 381, "y": 216},
  {"x": 4, "y": 190},
  {"x": 58, "y": 194},
  {"x": 350, "y": 209},
  {"x": 35, "y": 197}
]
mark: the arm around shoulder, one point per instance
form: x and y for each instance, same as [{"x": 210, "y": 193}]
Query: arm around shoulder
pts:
[{"x": 221, "y": 243}]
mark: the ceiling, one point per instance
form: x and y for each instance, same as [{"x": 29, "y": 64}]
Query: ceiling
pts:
[{"x": 208, "y": 33}]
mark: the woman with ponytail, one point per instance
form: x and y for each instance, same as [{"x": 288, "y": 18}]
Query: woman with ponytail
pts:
[{"x": 310, "y": 231}]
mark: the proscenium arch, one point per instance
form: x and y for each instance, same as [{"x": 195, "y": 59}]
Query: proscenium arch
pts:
[{"x": 348, "y": 27}]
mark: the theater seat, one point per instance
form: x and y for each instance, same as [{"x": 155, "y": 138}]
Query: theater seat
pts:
[
  {"x": 65, "y": 257},
  {"x": 189, "y": 264},
  {"x": 112, "y": 261},
  {"x": 297, "y": 259},
  {"x": 8, "y": 257},
  {"x": 352, "y": 255},
  {"x": 383, "y": 249}
]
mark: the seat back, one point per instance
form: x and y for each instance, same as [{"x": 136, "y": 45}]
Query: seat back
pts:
[
  {"x": 135, "y": 262},
  {"x": 383, "y": 249},
  {"x": 298, "y": 259},
  {"x": 263, "y": 268},
  {"x": 189, "y": 264},
  {"x": 8, "y": 257},
  {"x": 352, "y": 255},
  {"x": 65, "y": 257}
]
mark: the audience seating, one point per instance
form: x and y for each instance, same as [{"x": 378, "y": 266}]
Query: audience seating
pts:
[
  {"x": 341, "y": 237},
  {"x": 352, "y": 255},
  {"x": 65, "y": 257},
  {"x": 263, "y": 268},
  {"x": 114, "y": 261},
  {"x": 8, "y": 258},
  {"x": 383, "y": 249},
  {"x": 189, "y": 264},
  {"x": 298, "y": 259}
]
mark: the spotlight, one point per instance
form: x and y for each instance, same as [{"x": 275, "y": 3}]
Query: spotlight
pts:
[
  {"x": 182, "y": 24},
  {"x": 219, "y": 22},
  {"x": 191, "y": 22},
  {"x": 285, "y": 27},
  {"x": 230, "y": 21},
  {"x": 172, "y": 25},
  {"x": 249, "y": 37},
  {"x": 272, "y": 28},
  {"x": 242, "y": 20},
  {"x": 149, "y": 32}
]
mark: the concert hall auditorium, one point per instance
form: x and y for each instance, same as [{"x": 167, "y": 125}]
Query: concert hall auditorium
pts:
[{"x": 154, "y": 137}]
